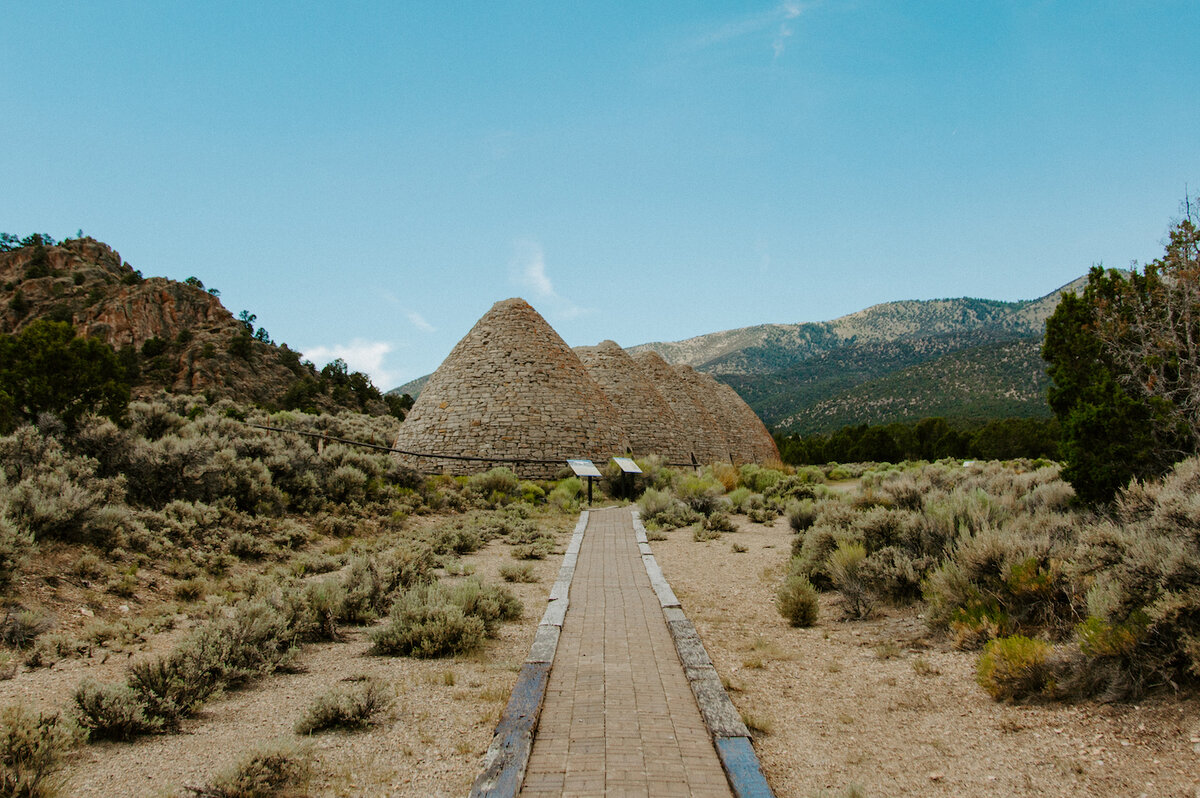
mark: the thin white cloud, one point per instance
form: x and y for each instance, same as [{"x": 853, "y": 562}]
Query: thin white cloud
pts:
[
  {"x": 360, "y": 355},
  {"x": 528, "y": 267},
  {"x": 776, "y": 19},
  {"x": 418, "y": 321}
]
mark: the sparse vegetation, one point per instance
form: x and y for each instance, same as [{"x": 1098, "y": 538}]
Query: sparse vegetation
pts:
[
  {"x": 351, "y": 705},
  {"x": 267, "y": 771}
]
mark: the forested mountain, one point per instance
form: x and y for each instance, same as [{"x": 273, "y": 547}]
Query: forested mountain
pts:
[{"x": 966, "y": 359}]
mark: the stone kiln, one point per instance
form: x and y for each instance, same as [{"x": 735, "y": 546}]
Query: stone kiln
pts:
[{"x": 512, "y": 389}]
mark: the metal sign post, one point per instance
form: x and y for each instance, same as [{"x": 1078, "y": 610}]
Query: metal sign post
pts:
[
  {"x": 628, "y": 470},
  {"x": 585, "y": 468}
]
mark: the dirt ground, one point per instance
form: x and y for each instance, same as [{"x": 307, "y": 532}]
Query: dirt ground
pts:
[
  {"x": 881, "y": 706},
  {"x": 876, "y": 705},
  {"x": 431, "y": 743}
]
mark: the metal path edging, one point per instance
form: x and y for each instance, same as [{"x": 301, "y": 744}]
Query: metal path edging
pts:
[
  {"x": 508, "y": 755},
  {"x": 729, "y": 733}
]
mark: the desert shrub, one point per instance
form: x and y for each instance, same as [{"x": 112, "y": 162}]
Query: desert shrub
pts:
[
  {"x": 316, "y": 563},
  {"x": 266, "y": 771},
  {"x": 490, "y": 603},
  {"x": 53, "y": 505},
  {"x": 797, "y": 600},
  {"x": 662, "y": 509},
  {"x": 313, "y": 610},
  {"x": 565, "y": 496},
  {"x": 425, "y": 622},
  {"x": 881, "y": 527},
  {"x": 346, "y": 484},
  {"x": 655, "y": 473},
  {"x": 846, "y": 572},
  {"x": 517, "y": 572},
  {"x": 32, "y": 750},
  {"x": 87, "y": 566},
  {"x": 801, "y": 514},
  {"x": 111, "y": 712},
  {"x": 997, "y": 583},
  {"x": 759, "y": 479},
  {"x": 719, "y": 522},
  {"x": 892, "y": 574},
  {"x": 531, "y": 492},
  {"x": 15, "y": 546},
  {"x": 1016, "y": 667},
  {"x": 701, "y": 494},
  {"x": 1054, "y": 497},
  {"x": 902, "y": 491},
  {"x": 246, "y": 546},
  {"x": 353, "y": 705},
  {"x": 500, "y": 482},
  {"x": 369, "y": 582},
  {"x": 737, "y": 498},
  {"x": 702, "y": 534},
  {"x": 538, "y": 550},
  {"x": 724, "y": 473},
  {"x": 21, "y": 627}
]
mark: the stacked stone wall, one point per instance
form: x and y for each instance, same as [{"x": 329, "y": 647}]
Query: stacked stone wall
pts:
[
  {"x": 643, "y": 413},
  {"x": 702, "y": 436}
]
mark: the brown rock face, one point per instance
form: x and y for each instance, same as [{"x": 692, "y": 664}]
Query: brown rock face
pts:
[
  {"x": 85, "y": 283},
  {"x": 643, "y": 413},
  {"x": 511, "y": 389}
]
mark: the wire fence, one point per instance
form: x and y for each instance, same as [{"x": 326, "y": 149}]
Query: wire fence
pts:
[{"x": 459, "y": 457}]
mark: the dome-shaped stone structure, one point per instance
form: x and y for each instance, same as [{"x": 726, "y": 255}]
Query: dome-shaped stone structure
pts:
[
  {"x": 703, "y": 437},
  {"x": 643, "y": 413},
  {"x": 510, "y": 389},
  {"x": 749, "y": 441}
]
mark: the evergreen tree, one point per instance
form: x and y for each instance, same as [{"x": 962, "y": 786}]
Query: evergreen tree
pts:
[{"x": 46, "y": 368}]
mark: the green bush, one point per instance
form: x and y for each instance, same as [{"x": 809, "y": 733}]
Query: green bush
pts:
[
  {"x": 846, "y": 572},
  {"x": 425, "y": 623},
  {"x": 490, "y": 603},
  {"x": 498, "y": 481},
  {"x": 353, "y": 705},
  {"x": 801, "y": 515},
  {"x": 565, "y": 496},
  {"x": 32, "y": 750},
  {"x": 797, "y": 600},
  {"x": 1016, "y": 667}
]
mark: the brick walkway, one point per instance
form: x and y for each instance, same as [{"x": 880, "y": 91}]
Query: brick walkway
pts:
[{"x": 619, "y": 717}]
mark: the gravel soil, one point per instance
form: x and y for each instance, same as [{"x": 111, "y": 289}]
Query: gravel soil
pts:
[
  {"x": 431, "y": 742},
  {"x": 883, "y": 707}
]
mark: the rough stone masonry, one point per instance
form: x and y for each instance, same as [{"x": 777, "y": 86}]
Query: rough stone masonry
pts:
[{"x": 512, "y": 389}]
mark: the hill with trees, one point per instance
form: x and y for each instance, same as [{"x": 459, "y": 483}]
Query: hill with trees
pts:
[{"x": 167, "y": 335}]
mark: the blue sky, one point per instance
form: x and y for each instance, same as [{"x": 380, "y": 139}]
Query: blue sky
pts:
[{"x": 368, "y": 178}]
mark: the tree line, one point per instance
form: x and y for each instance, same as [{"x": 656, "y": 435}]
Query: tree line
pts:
[{"x": 928, "y": 439}]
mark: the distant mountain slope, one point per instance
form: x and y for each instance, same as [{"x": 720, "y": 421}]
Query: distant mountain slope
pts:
[
  {"x": 1005, "y": 379},
  {"x": 768, "y": 348}
]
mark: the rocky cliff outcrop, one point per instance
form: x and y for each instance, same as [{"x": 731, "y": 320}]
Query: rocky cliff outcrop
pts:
[{"x": 184, "y": 339}]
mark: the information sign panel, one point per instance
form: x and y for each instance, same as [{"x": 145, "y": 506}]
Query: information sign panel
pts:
[
  {"x": 584, "y": 468},
  {"x": 627, "y": 465}
]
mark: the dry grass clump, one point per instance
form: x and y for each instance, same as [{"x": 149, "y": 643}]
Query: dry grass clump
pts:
[
  {"x": 353, "y": 705},
  {"x": 517, "y": 572},
  {"x": 278, "y": 768},
  {"x": 32, "y": 750}
]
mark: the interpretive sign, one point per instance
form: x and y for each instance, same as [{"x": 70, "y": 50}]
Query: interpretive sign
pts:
[
  {"x": 627, "y": 465},
  {"x": 584, "y": 468}
]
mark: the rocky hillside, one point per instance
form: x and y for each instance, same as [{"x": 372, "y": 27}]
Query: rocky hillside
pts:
[{"x": 171, "y": 335}]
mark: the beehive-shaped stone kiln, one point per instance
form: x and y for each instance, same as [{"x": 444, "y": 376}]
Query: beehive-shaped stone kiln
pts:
[
  {"x": 647, "y": 418},
  {"x": 702, "y": 436},
  {"x": 510, "y": 389}
]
